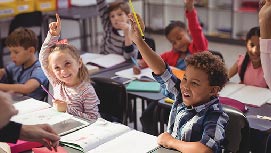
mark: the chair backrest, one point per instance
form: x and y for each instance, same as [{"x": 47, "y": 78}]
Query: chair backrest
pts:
[
  {"x": 151, "y": 43},
  {"x": 237, "y": 131},
  {"x": 113, "y": 99},
  {"x": 32, "y": 20},
  {"x": 217, "y": 53}
]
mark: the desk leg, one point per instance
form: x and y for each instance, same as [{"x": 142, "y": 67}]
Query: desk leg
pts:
[
  {"x": 135, "y": 113},
  {"x": 155, "y": 120},
  {"x": 162, "y": 123}
]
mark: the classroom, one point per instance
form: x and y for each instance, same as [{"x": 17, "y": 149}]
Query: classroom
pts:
[{"x": 116, "y": 76}]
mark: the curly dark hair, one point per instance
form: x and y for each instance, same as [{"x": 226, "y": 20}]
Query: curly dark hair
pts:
[
  {"x": 174, "y": 24},
  {"x": 119, "y": 5},
  {"x": 212, "y": 65},
  {"x": 22, "y": 37}
]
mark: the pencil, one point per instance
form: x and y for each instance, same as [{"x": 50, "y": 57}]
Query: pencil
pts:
[
  {"x": 47, "y": 92},
  {"x": 134, "y": 61},
  {"x": 135, "y": 16}
]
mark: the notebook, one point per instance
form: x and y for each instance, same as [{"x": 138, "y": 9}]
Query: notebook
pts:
[
  {"x": 21, "y": 146},
  {"x": 46, "y": 150},
  {"x": 128, "y": 73},
  {"x": 30, "y": 105},
  {"x": 143, "y": 86},
  {"x": 102, "y": 60},
  {"x": 160, "y": 149}
]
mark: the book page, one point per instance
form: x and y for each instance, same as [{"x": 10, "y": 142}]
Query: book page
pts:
[
  {"x": 89, "y": 57},
  {"x": 252, "y": 95},
  {"x": 128, "y": 73},
  {"x": 93, "y": 135},
  {"x": 108, "y": 60},
  {"x": 230, "y": 88},
  {"x": 30, "y": 105},
  {"x": 62, "y": 122},
  {"x": 129, "y": 142}
]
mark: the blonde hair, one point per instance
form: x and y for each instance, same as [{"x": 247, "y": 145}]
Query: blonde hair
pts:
[{"x": 83, "y": 74}]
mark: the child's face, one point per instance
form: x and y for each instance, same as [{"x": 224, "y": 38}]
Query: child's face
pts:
[
  {"x": 179, "y": 39},
  {"x": 20, "y": 56},
  {"x": 65, "y": 67},
  {"x": 195, "y": 87},
  {"x": 118, "y": 18},
  {"x": 253, "y": 49}
]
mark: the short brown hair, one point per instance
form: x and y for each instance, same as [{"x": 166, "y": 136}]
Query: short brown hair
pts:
[
  {"x": 22, "y": 37},
  {"x": 212, "y": 65},
  {"x": 119, "y": 5},
  {"x": 83, "y": 74}
]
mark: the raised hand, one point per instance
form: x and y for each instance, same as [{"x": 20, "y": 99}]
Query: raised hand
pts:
[
  {"x": 133, "y": 31},
  {"x": 55, "y": 27},
  {"x": 189, "y": 5},
  {"x": 265, "y": 20}
]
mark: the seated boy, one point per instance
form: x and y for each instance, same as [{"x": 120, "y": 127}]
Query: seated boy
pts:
[
  {"x": 24, "y": 75},
  {"x": 196, "y": 122},
  {"x": 115, "y": 22}
]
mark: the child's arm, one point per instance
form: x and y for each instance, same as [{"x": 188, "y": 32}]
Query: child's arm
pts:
[
  {"x": 51, "y": 39},
  {"x": 2, "y": 73},
  {"x": 265, "y": 41},
  {"x": 153, "y": 60},
  {"x": 233, "y": 70},
  {"x": 26, "y": 88},
  {"x": 102, "y": 9},
  {"x": 199, "y": 41}
]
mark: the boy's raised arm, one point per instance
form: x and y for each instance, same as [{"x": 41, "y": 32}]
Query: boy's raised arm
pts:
[
  {"x": 265, "y": 41},
  {"x": 154, "y": 61}
]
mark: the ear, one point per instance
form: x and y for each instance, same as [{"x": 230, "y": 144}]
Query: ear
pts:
[
  {"x": 214, "y": 90},
  {"x": 32, "y": 50},
  {"x": 80, "y": 62}
]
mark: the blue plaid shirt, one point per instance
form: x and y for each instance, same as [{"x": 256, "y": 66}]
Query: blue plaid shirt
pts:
[{"x": 205, "y": 123}]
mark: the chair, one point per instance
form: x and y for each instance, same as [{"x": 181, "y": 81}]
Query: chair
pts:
[
  {"x": 217, "y": 53},
  {"x": 151, "y": 43},
  {"x": 32, "y": 20},
  {"x": 113, "y": 99},
  {"x": 237, "y": 131}
]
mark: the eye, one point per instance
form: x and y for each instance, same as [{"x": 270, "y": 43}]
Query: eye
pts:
[
  {"x": 57, "y": 68},
  {"x": 194, "y": 83},
  {"x": 68, "y": 64}
]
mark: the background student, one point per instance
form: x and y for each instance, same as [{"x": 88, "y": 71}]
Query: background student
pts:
[
  {"x": 115, "y": 22},
  {"x": 184, "y": 41},
  {"x": 68, "y": 76},
  {"x": 182, "y": 46},
  {"x": 11, "y": 131},
  {"x": 24, "y": 75},
  {"x": 248, "y": 66}
]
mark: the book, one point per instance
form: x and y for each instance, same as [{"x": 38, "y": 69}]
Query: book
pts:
[
  {"x": 93, "y": 135},
  {"x": 62, "y": 123},
  {"x": 30, "y": 105},
  {"x": 128, "y": 73},
  {"x": 21, "y": 146},
  {"x": 143, "y": 86},
  {"x": 46, "y": 150},
  {"x": 4, "y": 147},
  {"x": 250, "y": 95},
  {"x": 102, "y": 60},
  {"x": 161, "y": 149},
  {"x": 130, "y": 142}
]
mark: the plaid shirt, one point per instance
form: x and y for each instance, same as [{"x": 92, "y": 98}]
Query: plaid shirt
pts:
[{"x": 204, "y": 123}]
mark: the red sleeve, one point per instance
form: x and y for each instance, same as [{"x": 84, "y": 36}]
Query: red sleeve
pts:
[{"x": 199, "y": 41}]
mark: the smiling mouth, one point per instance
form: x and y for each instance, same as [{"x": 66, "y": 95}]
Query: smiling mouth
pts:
[
  {"x": 186, "y": 94},
  {"x": 66, "y": 76}
]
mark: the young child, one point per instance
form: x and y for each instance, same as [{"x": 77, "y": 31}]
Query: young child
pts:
[
  {"x": 24, "y": 75},
  {"x": 115, "y": 24},
  {"x": 197, "y": 122},
  {"x": 179, "y": 37},
  {"x": 68, "y": 76},
  {"x": 249, "y": 66}
]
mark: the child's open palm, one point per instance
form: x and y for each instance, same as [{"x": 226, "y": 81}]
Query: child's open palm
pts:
[
  {"x": 134, "y": 32},
  {"x": 55, "y": 27}
]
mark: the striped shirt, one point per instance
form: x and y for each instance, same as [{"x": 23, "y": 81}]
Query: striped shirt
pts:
[
  {"x": 81, "y": 99},
  {"x": 112, "y": 42},
  {"x": 204, "y": 123}
]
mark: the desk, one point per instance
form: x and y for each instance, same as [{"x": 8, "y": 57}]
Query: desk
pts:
[
  {"x": 83, "y": 15},
  {"x": 145, "y": 96}
]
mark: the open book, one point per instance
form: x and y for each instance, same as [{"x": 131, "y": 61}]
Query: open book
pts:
[
  {"x": 128, "y": 73},
  {"x": 129, "y": 142},
  {"x": 62, "y": 123},
  {"x": 93, "y": 135},
  {"x": 30, "y": 105},
  {"x": 102, "y": 60},
  {"x": 246, "y": 94}
]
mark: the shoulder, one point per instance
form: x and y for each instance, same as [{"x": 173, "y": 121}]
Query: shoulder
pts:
[{"x": 216, "y": 113}]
